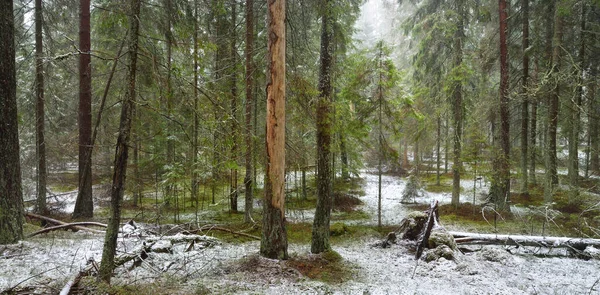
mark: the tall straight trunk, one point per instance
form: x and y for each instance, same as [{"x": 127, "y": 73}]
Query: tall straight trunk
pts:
[
  {"x": 457, "y": 106},
  {"x": 122, "y": 148},
  {"x": 553, "y": 104},
  {"x": 320, "y": 230},
  {"x": 196, "y": 126},
  {"x": 170, "y": 156},
  {"x": 446, "y": 143},
  {"x": 438, "y": 144},
  {"x": 137, "y": 189},
  {"x": 84, "y": 205},
  {"x": 532, "y": 136},
  {"x": 573, "y": 168},
  {"x": 525, "y": 99},
  {"x": 249, "y": 101},
  {"x": 233, "y": 185},
  {"x": 40, "y": 142},
  {"x": 11, "y": 198},
  {"x": 274, "y": 242},
  {"x": 380, "y": 136},
  {"x": 500, "y": 189}
]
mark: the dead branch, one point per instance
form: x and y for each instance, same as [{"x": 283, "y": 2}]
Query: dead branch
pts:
[
  {"x": 58, "y": 222},
  {"x": 67, "y": 225},
  {"x": 211, "y": 227},
  {"x": 424, "y": 239}
]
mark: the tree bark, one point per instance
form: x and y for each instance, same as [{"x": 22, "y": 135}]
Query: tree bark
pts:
[
  {"x": 320, "y": 230},
  {"x": 525, "y": 100},
  {"x": 553, "y": 104},
  {"x": 233, "y": 184},
  {"x": 39, "y": 112},
  {"x": 194, "y": 179},
  {"x": 533, "y": 131},
  {"x": 11, "y": 198},
  {"x": 274, "y": 242},
  {"x": 573, "y": 167},
  {"x": 457, "y": 106},
  {"x": 500, "y": 189},
  {"x": 84, "y": 205},
  {"x": 121, "y": 153},
  {"x": 249, "y": 102}
]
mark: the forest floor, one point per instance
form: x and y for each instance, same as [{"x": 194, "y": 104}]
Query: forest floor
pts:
[{"x": 44, "y": 263}]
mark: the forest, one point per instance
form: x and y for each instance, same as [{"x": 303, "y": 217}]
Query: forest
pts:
[{"x": 300, "y": 147}]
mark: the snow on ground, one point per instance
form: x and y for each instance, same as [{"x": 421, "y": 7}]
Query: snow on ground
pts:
[{"x": 53, "y": 259}]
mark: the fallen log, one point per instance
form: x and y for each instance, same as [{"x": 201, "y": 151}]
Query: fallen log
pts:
[
  {"x": 67, "y": 225},
  {"x": 465, "y": 238},
  {"x": 424, "y": 237},
  {"x": 58, "y": 222},
  {"x": 210, "y": 227}
]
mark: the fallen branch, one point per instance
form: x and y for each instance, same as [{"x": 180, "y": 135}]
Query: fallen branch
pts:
[
  {"x": 58, "y": 222},
  {"x": 466, "y": 238},
  {"x": 67, "y": 225},
  {"x": 75, "y": 280},
  {"x": 210, "y": 227},
  {"x": 424, "y": 238}
]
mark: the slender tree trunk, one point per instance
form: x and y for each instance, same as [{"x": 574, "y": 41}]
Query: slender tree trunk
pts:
[
  {"x": 438, "y": 144},
  {"x": 249, "y": 101},
  {"x": 500, "y": 189},
  {"x": 11, "y": 198},
  {"x": 573, "y": 168},
  {"x": 525, "y": 99},
  {"x": 553, "y": 101},
  {"x": 457, "y": 106},
  {"x": 533, "y": 131},
  {"x": 320, "y": 230},
  {"x": 41, "y": 207},
  {"x": 196, "y": 126},
  {"x": 233, "y": 184},
  {"x": 446, "y": 143},
  {"x": 84, "y": 205},
  {"x": 344, "y": 156},
  {"x": 274, "y": 242},
  {"x": 170, "y": 156},
  {"x": 121, "y": 153}
]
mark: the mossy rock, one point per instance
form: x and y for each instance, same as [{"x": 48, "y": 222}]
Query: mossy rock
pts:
[
  {"x": 331, "y": 256},
  {"x": 442, "y": 251},
  {"x": 441, "y": 237},
  {"x": 337, "y": 229}
]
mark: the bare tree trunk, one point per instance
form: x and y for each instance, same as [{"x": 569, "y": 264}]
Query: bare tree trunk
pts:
[
  {"x": 40, "y": 143},
  {"x": 553, "y": 101},
  {"x": 249, "y": 102},
  {"x": 525, "y": 99},
  {"x": 500, "y": 189},
  {"x": 196, "y": 126},
  {"x": 320, "y": 230},
  {"x": 573, "y": 167},
  {"x": 121, "y": 153},
  {"x": 170, "y": 189},
  {"x": 11, "y": 198},
  {"x": 84, "y": 205},
  {"x": 233, "y": 187},
  {"x": 457, "y": 106},
  {"x": 274, "y": 242},
  {"x": 438, "y": 143},
  {"x": 533, "y": 131}
]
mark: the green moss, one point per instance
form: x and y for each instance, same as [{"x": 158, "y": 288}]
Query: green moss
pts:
[{"x": 337, "y": 229}]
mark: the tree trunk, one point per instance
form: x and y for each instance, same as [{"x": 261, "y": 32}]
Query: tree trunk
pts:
[
  {"x": 457, "y": 106},
  {"x": 39, "y": 112},
  {"x": 274, "y": 242},
  {"x": 196, "y": 126},
  {"x": 233, "y": 184},
  {"x": 573, "y": 168},
  {"x": 525, "y": 100},
  {"x": 84, "y": 205},
  {"x": 553, "y": 101},
  {"x": 500, "y": 189},
  {"x": 344, "y": 156},
  {"x": 170, "y": 156},
  {"x": 533, "y": 131},
  {"x": 11, "y": 198},
  {"x": 249, "y": 102},
  {"x": 438, "y": 144},
  {"x": 121, "y": 153},
  {"x": 320, "y": 230}
]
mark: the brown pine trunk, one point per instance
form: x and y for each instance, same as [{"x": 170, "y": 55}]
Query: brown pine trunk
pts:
[
  {"x": 39, "y": 112},
  {"x": 249, "y": 102},
  {"x": 84, "y": 205},
  {"x": 11, "y": 198},
  {"x": 196, "y": 126},
  {"x": 320, "y": 230},
  {"x": 533, "y": 130},
  {"x": 500, "y": 189},
  {"x": 121, "y": 153},
  {"x": 274, "y": 242},
  {"x": 573, "y": 172},
  {"x": 553, "y": 104}
]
